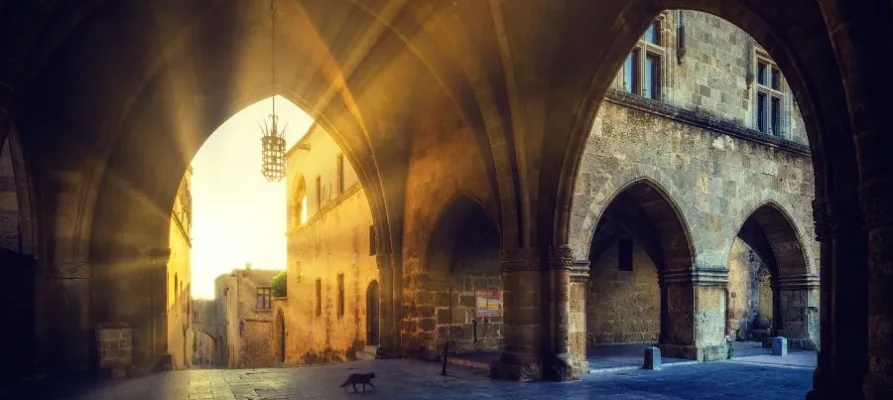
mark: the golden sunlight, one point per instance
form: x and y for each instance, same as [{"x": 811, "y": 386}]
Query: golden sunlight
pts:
[{"x": 238, "y": 216}]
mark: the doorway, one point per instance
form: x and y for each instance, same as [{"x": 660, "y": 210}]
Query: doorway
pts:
[{"x": 372, "y": 314}]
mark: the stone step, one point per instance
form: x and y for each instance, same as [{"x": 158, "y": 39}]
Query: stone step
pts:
[{"x": 368, "y": 353}]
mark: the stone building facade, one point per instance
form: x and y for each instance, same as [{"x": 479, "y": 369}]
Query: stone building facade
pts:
[
  {"x": 333, "y": 290},
  {"x": 693, "y": 202},
  {"x": 179, "y": 277},
  {"x": 244, "y": 323}
]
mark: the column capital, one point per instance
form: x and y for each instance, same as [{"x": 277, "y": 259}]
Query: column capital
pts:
[
  {"x": 797, "y": 282},
  {"x": 559, "y": 257},
  {"x": 520, "y": 259},
  {"x": 580, "y": 271},
  {"x": 821, "y": 220},
  {"x": 876, "y": 203},
  {"x": 843, "y": 215},
  {"x": 694, "y": 277}
]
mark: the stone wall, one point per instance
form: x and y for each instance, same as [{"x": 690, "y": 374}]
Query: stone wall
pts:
[
  {"x": 623, "y": 306},
  {"x": 445, "y": 163},
  {"x": 474, "y": 265},
  {"x": 241, "y": 323},
  {"x": 179, "y": 276},
  {"x": 713, "y": 75},
  {"x": 330, "y": 247}
]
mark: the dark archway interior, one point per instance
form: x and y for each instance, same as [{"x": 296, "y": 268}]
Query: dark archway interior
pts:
[
  {"x": 637, "y": 239},
  {"x": 777, "y": 252},
  {"x": 463, "y": 261},
  {"x": 18, "y": 298}
]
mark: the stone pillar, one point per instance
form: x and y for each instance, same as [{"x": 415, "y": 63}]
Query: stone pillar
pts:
[
  {"x": 66, "y": 339},
  {"x": 386, "y": 326},
  {"x": 558, "y": 365},
  {"x": 693, "y": 314},
  {"x": 579, "y": 276},
  {"x": 522, "y": 330},
  {"x": 843, "y": 357},
  {"x": 799, "y": 305},
  {"x": 876, "y": 198}
]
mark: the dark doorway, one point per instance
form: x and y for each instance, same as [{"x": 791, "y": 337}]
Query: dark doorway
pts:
[
  {"x": 280, "y": 336},
  {"x": 372, "y": 312}
]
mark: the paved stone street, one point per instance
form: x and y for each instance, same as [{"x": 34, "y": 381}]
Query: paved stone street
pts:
[{"x": 405, "y": 379}]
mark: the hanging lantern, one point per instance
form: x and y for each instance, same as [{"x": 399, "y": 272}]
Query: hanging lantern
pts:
[{"x": 273, "y": 140}]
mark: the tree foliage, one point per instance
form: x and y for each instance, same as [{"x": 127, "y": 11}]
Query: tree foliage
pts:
[{"x": 279, "y": 284}]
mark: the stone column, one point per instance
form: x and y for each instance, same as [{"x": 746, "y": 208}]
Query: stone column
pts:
[
  {"x": 843, "y": 359},
  {"x": 876, "y": 198},
  {"x": 522, "y": 330},
  {"x": 799, "y": 300},
  {"x": 386, "y": 326},
  {"x": 693, "y": 322},
  {"x": 579, "y": 276},
  {"x": 821, "y": 380},
  {"x": 559, "y": 363},
  {"x": 65, "y": 304}
]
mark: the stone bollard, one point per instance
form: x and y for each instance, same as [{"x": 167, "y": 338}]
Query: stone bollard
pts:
[
  {"x": 652, "y": 358},
  {"x": 779, "y": 346}
]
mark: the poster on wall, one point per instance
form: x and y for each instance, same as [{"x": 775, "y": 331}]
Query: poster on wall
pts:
[{"x": 488, "y": 303}]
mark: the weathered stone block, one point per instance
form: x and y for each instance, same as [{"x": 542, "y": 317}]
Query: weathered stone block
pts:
[
  {"x": 779, "y": 346},
  {"x": 652, "y": 359}
]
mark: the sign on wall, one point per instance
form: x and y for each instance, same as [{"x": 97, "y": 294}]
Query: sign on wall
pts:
[{"x": 488, "y": 303}]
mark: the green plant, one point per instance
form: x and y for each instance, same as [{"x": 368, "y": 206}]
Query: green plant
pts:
[{"x": 279, "y": 284}]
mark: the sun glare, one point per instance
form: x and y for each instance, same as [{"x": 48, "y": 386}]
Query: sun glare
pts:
[{"x": 238, "y": 216}]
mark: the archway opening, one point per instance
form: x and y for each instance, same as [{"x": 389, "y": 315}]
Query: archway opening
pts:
[
  {"x": 18, "y": 265},
  {"x": 771, "y": 292},
  {"x": 204, "y": 350},
  {"x": 279, "y": 337},
  {"x": 638, "y": 239},
  {"x": 463, "y": 306},
  {"x": 226, "y": 232},
  {"x": 699, "y": 107}
]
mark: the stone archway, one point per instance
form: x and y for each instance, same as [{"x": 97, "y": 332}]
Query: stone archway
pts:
[
  {"x": 17, "y": 259},
  {"x": 639, "y": 247},
  {"x": 774, "y": 254},
  {"x": 461, "y": 264}
]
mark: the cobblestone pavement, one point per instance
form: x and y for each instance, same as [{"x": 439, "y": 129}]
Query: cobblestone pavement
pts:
[{"x": 406, "y": 379}]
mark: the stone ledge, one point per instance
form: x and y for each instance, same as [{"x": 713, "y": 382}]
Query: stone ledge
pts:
[
  {"x": 798, "y": 282},
  {"x": 706, "y": 121},
  {"x": 696, "y": 277}
]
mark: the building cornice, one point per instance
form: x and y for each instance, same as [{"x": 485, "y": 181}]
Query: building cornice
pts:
[{"x": 705, "y": 120}]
